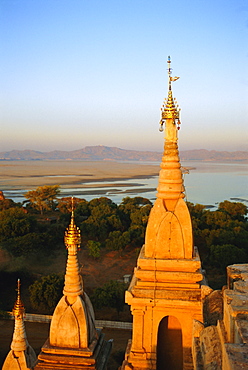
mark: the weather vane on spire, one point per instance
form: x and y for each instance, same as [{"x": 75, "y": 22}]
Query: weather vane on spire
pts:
[
  {"x": 169, "y": 73},
  {"x": 170, "y": 109}
]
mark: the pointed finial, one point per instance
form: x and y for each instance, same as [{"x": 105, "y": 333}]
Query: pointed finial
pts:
[
  {"x": 18, "y": 310},
  {"x": 170, "y": 110},
  {"x": 72, "y": 207},
  {"x": 169, "y": 72},
  {"x": 72, "y": 233}
]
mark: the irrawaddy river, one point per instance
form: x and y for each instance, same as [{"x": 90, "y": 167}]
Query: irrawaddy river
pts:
[{"x": 207, "y": 183}]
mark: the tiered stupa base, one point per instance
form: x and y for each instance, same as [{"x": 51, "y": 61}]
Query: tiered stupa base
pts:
[
  {"x": 95, "y": 357},
  {"x": 165, "y": 298}
]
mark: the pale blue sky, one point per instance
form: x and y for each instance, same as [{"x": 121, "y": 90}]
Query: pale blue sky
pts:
[{"x": 86, "y": 72}]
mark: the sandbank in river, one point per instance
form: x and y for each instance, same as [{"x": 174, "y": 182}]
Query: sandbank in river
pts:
[
  {"x": 207, "y": 182},
  {"x": 26, "y": 175}
]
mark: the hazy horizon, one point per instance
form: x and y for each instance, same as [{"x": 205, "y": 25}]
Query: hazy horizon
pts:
[
  {"x": 87, "y": 72},
  {"x": 122, "y": 148}
]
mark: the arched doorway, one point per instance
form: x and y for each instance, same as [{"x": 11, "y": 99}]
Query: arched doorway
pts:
[{"x": 169, "y": 344}]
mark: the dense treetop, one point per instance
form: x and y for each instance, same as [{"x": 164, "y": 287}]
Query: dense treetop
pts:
[{"x": 221, "y": 235}]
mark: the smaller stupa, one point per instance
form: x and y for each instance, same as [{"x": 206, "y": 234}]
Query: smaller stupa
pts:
[
  {"x": 74, "y": 342},
  {"x": 21, "y": 356}
]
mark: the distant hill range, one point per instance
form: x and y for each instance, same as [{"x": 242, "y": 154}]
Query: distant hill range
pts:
[{"x": 100, "y": 152}]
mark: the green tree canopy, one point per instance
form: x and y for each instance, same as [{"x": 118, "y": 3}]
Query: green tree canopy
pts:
[
  {"x": 15, "y": 222},
  {"x": 30, "y": 243},
  {"x": 46, "y": 292},
  {"x": 94, "y": 248},
  {"x": 236, "y": 210},
  {"x": 110, "y": 295},
  {"x": 65, "y": 204},
  {"x": 8, "y": 203},
  {"x": 196, "y": 210},
  {"x": 82, "y": 209},
  {"x": 118, "y": 240},
  {"x": 130, "y": 206},
  {"x": 116, "y": 226},
  {"x": 220, "y": 235},
  {"x": 43, "y": 197},
  {"x": 103, "y": 216},
  {"x": 226, "y": 254}
]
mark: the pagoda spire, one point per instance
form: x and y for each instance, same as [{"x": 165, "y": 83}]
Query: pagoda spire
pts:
[
  {"x": 165, "y": 291},
  {"x": 75, "y": 306},
  {"x": 170, "y": 178},
  {"x": 21, "y": 355},
  {"x": 74, "y": 342},
  {"x": 19, "y": 342},
  {"x": 73, "y": 283},
  {"x": 169, "y": 230}
]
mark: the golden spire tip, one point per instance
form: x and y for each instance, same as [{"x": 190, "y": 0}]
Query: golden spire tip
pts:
[
  {"x": 18, "y": 309},
  {"x": 72, "y": 233},
  {"x": 171, "y": 109}
]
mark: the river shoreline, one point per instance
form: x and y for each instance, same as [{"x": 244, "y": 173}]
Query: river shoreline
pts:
[
  {"x": 29, "y": 174},
  {"x": 205, "y": 182}
]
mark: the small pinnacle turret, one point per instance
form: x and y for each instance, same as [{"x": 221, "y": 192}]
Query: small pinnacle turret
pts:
[
  {"x": 18, "y": 309},
  {"x": 74, "y": 342},
  {"x": 72, "y": 324},
  {"x": 21, "y": 355},
  {"x": 19, "y": 342},
  {"x": 73, "y": 282}
]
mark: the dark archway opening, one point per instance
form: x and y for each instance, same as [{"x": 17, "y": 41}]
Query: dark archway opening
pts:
[{"x": 169, "y": 344}]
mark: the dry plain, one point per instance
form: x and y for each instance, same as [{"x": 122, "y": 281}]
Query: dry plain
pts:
[{"x": 30, "y": 174}]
